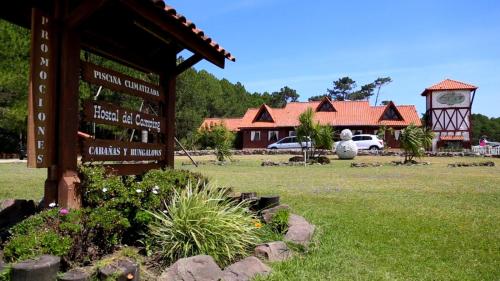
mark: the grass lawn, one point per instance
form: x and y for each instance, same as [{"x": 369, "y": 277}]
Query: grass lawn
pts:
[{"x": 379, "y": 223}]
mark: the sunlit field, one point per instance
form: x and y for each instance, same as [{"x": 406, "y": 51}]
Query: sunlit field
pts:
[{"x": 379, "y": 223}]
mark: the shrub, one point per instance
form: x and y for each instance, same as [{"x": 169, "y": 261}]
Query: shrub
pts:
[
  {"x": 219, "y": 138},
  {"x": 202, "y": 221},
  {"x": 129, "y": 197},
  {"x": 267, "y": 234},
  {"x": 77, "y": 236},
  {"x": 324, "y": 137},
  {"x": 279, "y": 222},
  {"x": 35, "y": 236},
  {"x": 414, "y": 140}
]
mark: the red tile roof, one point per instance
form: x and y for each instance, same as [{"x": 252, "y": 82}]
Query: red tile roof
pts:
[
  {"x": 451, "y": 138},
  {"x": 348, "y": 113},
  {"x": 192, "y": 27},
  {"x": 232, "y": 124},
  {"x": 449, "y": 84}
]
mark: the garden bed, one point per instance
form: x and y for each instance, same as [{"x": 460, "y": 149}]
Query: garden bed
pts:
[{"x": 151, "y": 229}]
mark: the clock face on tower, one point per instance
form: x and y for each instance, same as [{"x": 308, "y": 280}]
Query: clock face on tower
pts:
[{"x": 451, "y": 98}]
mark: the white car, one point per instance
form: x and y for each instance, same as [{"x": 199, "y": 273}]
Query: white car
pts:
[
  {"x": 371, "y": 142},
  {"x": 289, "y": 143}
]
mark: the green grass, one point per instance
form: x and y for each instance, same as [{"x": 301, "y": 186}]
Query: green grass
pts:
[
  {"x": 379, "y": 223},
  {"x": 19, "y": 182},
  {"x": 385, "y": 223}
]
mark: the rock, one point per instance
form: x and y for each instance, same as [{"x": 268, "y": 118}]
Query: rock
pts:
[
  {"x": 364, "y": 165},
  {"x": 75, "y": 275},
  {"x": 323, "y": 160},
  {"x": 43, "y": 268},
  {"x": 197, "y": 268},
  {"x": 267, "y": 202},
  {"x": 300, "y": 231},
  {"x": 248, "y": 195},
  {"x": 268, "y": 214},
  {"x": 245, "y": 270},
  {"x": 13, "y": 211},
  {"x": 121, "y": 270},
  {"x": 273, "y": 251},
  {"x": 296, "y": 159},
  {"x": 473, "y": 164}
]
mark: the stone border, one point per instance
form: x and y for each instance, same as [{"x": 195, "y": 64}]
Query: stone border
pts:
[
  {"x": 473, "y": 164},
  {"x": 326, "y": 152}
]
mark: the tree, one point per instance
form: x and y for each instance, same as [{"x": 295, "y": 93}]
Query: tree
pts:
[
  {"x": 14, "y": 67},
  {"x": 307, "y": 130},
  {"x": 282, "y": 97},
  {"x": 379, "y": 83},
  {"x": 318, "y": 97},
  {"x": 342, "y": 89},
  {"x": 345, "y": 89},
  {"x": 323, "y": 137},
  {"x": 414, "y": 140},
  {"x": 365, "y": 92},
  {"x": 219, "y": 138},
  {"x": 485, "y": 126}
]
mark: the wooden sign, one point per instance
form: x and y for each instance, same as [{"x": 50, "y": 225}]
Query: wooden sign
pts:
[
  {"x": 106, "y": 113},
  {"x": 119, "y": 82},
  {"x": 41, "y": 91},
  {"x": 108, "y": 150}
]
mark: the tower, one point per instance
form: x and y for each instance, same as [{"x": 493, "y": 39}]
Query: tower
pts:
[{"x": 448, "y": 113}]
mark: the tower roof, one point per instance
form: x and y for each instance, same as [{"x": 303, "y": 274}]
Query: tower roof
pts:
[{"x": 449, "y": 84}]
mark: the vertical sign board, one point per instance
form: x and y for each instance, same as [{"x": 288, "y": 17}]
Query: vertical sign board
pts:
[{"x": 41, "y": 91}]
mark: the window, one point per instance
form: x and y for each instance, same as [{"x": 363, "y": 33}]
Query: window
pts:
[
  {"x": 255, "y": 135},
  {"x": 264, "y": 116},
  {"x": 366, "y": 138},
  {"x": 272, "y": 136},
  {"x": 356, "y": 138},
  {"x": 396, "y": 134},
  {"x": 286, "y": 140},
  {"x": 357, "y": 132},
  {"x": 391, "y": 114},
  {"x": 326, "y": 107},
  {"x": 292, "y": 133}
]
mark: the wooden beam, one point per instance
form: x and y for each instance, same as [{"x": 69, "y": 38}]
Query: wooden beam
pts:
[
  {"x": 110, "y": 50},
  {"x": 191, "y": 41},
  {"x": 167, "y": 90},
  {"x": 185, "y": 65},
  {"x": 84, "y": 11},
  {"x": 67, "y": 138}
]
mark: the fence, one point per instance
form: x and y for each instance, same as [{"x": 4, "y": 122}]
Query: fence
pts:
[{"x": 486, "y": 150}]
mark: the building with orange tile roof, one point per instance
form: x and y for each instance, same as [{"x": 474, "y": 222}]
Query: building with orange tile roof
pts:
[
  {"x": 448, "y": 114},
  {"x": 262, "y": 126}
]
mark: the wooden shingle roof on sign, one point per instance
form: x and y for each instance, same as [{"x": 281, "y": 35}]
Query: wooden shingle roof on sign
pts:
[
  {"x": 449, "y": 84},
  {"x": 193, "y": 28},
  {"x": 141, "y": 34}
]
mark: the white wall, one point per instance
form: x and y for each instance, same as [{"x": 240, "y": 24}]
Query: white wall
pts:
[{"x": 437, "y": 95}]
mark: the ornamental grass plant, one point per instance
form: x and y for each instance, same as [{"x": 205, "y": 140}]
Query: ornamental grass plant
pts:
[{"x": 201, "y": 220}]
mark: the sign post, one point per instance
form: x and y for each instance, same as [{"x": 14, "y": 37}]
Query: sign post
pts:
[{"x": 41, "y": 92}]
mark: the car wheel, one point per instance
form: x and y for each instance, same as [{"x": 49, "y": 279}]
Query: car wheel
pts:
[{"x": 374, "y": 148}]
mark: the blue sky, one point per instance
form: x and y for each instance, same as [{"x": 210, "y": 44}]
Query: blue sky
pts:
[{"x": 307, "y": 44}]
